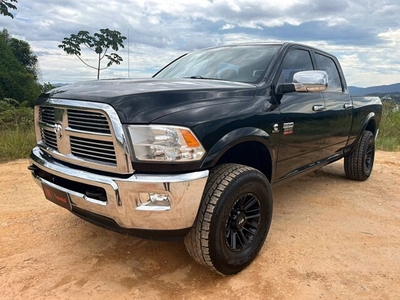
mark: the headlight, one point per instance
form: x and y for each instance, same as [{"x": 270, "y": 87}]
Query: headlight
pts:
[{"x": 165, "y": 143}]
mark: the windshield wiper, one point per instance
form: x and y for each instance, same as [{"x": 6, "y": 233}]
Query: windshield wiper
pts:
[{"x": 199, "y": 77}]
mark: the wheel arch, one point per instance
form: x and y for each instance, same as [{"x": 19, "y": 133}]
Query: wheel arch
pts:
[
  {"x": 251, "y": 141},
  {"x": 369, "y": 124}
]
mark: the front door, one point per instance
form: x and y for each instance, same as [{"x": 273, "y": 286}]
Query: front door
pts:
[{"x": 302, "y": 127}]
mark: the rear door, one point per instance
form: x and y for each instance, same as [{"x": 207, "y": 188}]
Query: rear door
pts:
[{"x": 339, "y": 108}]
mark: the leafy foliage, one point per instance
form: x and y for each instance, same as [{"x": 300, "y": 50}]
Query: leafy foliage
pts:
[
  {"x": 15, "y": 115},
  {"x": 16, "y": 80},
  {"x": 99, "y": 43},
  {"x": 47, "y": 87},
  {"x": 5, "y": 6},
  {"x": 22, "y": 52}
]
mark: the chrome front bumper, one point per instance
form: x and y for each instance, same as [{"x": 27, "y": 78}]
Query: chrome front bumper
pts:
[{"x": 127, "y": 199}]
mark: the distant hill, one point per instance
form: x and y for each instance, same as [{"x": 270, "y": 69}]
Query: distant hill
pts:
[{"x": 381, "y": 89}]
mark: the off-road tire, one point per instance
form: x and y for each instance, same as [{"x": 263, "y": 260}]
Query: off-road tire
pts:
[
  {"x": 358, "y": 164},
  {"x": 233, "y": 219}
]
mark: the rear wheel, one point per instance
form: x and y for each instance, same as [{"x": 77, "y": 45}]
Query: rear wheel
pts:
[
  {"x": 358, "y": 165},
  {"x": 233, "y": 220}
]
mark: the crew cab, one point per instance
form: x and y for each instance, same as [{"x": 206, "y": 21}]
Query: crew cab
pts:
[{"x": 193, "y": 152}]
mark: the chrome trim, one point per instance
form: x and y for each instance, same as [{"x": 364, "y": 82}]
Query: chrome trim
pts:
[
  {"x": 184, "y": 191},
  {"x": 318, "y": 108},
  {"x": 310, "y": 81},
  {"x": 348, "y": 105},
  {"x": 64, "y": 133},
  {"x": 376, "y": 134}
]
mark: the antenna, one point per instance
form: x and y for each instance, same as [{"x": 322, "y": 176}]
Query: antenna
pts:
[{"x": 129, "y": 71}]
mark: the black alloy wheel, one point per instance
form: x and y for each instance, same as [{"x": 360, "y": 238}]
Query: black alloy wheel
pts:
[
  {"x": 243, "y": 222},
  {"x": 359, "y": 163}
]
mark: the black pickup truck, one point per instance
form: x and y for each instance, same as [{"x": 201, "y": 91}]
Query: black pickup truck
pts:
[{"x": 192, "y": 152}]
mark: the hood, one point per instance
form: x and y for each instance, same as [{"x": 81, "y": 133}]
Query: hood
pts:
[{"x": 144, "y": 100}]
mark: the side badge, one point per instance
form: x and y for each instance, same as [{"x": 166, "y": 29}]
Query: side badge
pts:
[{"x": 288, "y": 128}]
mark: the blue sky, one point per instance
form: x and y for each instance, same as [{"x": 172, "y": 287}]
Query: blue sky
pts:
[{"x": 364, "y": 35}]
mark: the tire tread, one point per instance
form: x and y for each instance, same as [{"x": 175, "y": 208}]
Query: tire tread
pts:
[
  {"x": 354, "y": 162},
  {"x": 196, "y": 241}
]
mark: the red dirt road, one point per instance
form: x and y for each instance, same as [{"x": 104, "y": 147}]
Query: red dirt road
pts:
[{"x": 330, "y": 238}]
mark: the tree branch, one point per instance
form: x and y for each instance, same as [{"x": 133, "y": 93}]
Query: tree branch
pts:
[
  {"x": 85, "y": 62},
  {"x": 87, "y": 46},
  {"x": 104, "y": 54}
]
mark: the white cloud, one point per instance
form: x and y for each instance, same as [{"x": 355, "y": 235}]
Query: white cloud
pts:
[
  {"x": 228, "y": 26},
  {"x": 392, "y": 36},
  {"x": 364, "y": 35}
]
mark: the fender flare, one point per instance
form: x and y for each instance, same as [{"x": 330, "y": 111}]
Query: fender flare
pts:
[
  {"x": 236, "y": 137},
  {"x": 370, "y": 117}
]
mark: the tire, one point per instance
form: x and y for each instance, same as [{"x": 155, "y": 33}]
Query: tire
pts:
[
  {"x": 358, "y": 164},
  {"x": 233, "y": 220}
]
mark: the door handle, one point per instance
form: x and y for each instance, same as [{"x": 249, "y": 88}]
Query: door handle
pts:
[
  {"x": 318, "y": 107},
  {"x": 348, "y": 105}
]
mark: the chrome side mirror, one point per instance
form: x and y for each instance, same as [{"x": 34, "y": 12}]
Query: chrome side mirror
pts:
[
  {"x": 305, "y": 81},
  {"x": 310, "y": 81}
]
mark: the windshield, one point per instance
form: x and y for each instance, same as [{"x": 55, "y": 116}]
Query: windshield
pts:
[{"x": 233, "y": 63}]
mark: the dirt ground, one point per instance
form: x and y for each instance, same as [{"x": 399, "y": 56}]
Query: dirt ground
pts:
[{"x": 330, "y": 238}]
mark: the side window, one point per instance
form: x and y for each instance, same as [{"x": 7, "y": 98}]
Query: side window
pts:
[
  {"x": 327, "y": 64},
  {"x": 296, "y": 60}
]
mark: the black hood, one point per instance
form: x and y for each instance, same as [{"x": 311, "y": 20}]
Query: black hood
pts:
[{"x": 144, "y": 100}]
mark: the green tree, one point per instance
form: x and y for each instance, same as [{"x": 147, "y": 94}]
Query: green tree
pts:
[
  {"x": 5, "y": 6},
  {"x": 99, "y": 43},
  {"x": 15, "y": 80},
  {"x": 22, "y": 52}
]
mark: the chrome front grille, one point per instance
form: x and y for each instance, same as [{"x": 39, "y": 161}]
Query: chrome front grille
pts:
[{"x": 87, "y": 134}]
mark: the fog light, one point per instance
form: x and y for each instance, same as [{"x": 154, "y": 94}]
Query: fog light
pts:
[
  {"x": 156, "y": 202},
  {"x": 159, "y": 198}
]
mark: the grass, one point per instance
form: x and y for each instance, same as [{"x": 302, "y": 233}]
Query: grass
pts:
[
  {"x": 16, "y": 143},
  {"x": 17, "y": 136},
  {"x": 389, "y": 129}
]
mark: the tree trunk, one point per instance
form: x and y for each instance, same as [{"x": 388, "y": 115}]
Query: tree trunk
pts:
[{"x": 98, "y": 69}]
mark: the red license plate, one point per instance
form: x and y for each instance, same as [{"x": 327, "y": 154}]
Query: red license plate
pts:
[{"x": 56, "y": 196}]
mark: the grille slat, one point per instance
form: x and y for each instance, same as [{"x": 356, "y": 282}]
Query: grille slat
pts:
[
  {"x": 89, "y": 156},
  {"x": 88, "y": 121},
  {"x": 107, "y": 150},
  {"x": 49, "y": 138},
  {"x": 91, "y": 128},
  {"x": 91, "y": 143},
  {"x": 46, "y": 115},
  {"x": 93, "y": 149}
]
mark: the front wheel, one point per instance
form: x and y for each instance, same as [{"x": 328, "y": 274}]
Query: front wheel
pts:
[
  {"x": 233, "y": 220},
  {"x": 358, "y": 164}
]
